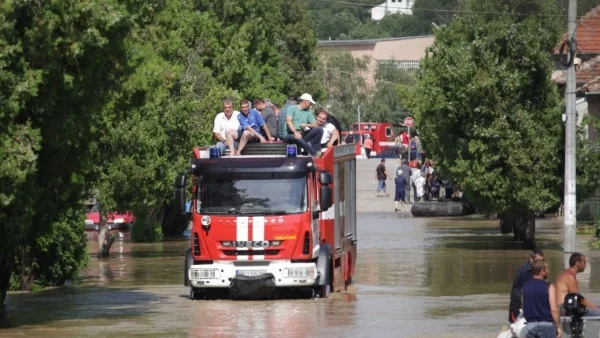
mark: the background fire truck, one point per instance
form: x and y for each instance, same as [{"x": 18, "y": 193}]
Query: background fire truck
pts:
[
  {"x": 262, "y": 223},
  {"x": 381, "y": 133}
]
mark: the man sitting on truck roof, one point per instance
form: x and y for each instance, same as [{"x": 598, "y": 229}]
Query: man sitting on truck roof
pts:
[
  {"x": 331, "y": 135},
  {"x": 250, "y": 124},
  {"x": 224, "y": 121},
  {"x": 302, "y": 128}
]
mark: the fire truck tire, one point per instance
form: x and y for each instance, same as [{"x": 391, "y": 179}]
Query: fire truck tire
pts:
[
  {"x": 194, "y": 293},
  {"x": 324, "y": 266},
  {"x": 265, "y": 149},
  {"x": 188, "y": 262}
]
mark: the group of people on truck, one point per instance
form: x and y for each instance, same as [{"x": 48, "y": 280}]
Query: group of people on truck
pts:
[
  {"x": 294, "y": 123},
  {"x": 542, "y": 302}
]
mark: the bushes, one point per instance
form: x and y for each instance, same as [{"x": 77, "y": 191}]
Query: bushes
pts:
[{"x": 146, "y": 229}]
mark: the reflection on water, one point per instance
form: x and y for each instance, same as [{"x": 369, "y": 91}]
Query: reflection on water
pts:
[
  {"x": 137, "y": 264},
  {"x": 415, "y": 278}
]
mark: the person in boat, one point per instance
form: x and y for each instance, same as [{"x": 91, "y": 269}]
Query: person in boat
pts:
[
  {"x": 539, "y": 306},
  {"x": 566, "y": 283},
  {"x": 524, "y": 275}
]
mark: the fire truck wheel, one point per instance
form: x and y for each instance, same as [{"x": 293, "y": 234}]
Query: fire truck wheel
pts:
[
  {"x": 194, "y": 294},
  {"x": 323, "y": 291},
  {"x": 325, "y": 268},
  {"x": 188, "y": 262}
]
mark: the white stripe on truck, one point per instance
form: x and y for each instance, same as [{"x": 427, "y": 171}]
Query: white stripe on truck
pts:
[
  {"x": 241, "y": 234},
  {"x": 258, "y": 234}
]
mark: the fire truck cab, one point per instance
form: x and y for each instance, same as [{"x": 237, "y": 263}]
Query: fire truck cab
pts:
[{"x": 265, "y": 222}]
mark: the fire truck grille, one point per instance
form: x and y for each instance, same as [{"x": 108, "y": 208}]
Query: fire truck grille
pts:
[
  {"x": 251, "y": 263},
  {"x": 250, "y": 252}
]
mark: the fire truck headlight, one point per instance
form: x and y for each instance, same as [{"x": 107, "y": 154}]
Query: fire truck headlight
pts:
[
  {"x": 204, "y": 274},
  {"x": 205, "y": 220},
  {"x": 118, "y": 220},
  {"x": 299, "y": 272}
]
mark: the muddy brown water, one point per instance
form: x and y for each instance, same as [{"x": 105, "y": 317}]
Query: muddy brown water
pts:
[{"x": 415, "y": 277}]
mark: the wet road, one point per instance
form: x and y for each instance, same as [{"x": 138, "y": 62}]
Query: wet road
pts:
[{"x": 415, "y": 278}]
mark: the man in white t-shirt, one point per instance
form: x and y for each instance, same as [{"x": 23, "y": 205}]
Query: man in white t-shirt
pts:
[
  {"x": 330, "y": 133},
  {"x": 224, "y": 121}
]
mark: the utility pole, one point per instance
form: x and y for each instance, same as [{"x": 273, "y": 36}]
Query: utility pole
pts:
[
  {"x": 570, "y": 219},
  {"x": 358, "y": 110}
]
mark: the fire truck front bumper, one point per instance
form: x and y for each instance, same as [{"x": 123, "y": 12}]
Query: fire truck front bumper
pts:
[{"x": 225, "y": 274}]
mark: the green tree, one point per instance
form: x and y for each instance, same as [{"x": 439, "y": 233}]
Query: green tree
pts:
[
  {"x": 345, "y": 85},
  {"x": 489, "y": 113},
  {"x": 336, "y": 19},
  {"x": 188, "y": 56},
  {"x": 58, "y": 63},
  {"x": 385, "y": 102}
]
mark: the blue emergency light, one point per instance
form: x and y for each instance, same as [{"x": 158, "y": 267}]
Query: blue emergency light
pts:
[
  {"x": 214, "y": 152},
  {"x": 292, "y": 150}
]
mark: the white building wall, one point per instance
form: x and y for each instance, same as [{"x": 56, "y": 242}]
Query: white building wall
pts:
[{"x": 392, "y": 7}]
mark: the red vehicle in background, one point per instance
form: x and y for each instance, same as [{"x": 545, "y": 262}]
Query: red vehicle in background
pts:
[
  {"x": 381, "y": 133},
  {"x": 115, "y": 221}
]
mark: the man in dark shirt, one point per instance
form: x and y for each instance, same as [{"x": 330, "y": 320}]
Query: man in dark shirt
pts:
[
  {"x": 539, "y": 305},
  {"x": 524, "y": 275}
]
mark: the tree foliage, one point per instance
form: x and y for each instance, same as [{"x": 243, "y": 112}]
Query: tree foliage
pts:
[
  {"x": 489, "y": 113},
  {"x": 58, "y": 63},
  {"x": 344, "y": 78},
  {"x": 110, "y": 96},
  {"x": 346, "y": 87},
  {"x": 341, "y": 21}
]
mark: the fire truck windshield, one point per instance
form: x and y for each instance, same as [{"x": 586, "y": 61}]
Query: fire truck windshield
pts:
[{"x": 252, "y": 193}]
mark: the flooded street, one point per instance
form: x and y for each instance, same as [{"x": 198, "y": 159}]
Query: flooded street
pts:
[{"x": 416, "y": 277}]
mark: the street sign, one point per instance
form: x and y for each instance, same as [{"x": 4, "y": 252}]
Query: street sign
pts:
[{"x": 408, "y": 121}]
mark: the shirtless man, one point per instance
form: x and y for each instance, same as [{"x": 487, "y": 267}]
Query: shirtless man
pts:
[{"x": 566, "y": 283}]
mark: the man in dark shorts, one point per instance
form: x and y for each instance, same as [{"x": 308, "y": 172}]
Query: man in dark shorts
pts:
[
  {"x": 251, "y": 123},
  {"x": 381, "y": 175}
]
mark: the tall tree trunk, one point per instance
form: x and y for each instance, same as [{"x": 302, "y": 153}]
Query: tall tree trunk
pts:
[
  {"x": 105, "y": 239},
  {"x": 506, "y": 224},
  {"x": 6, "y": 266},
  {"x": 522, "y": 223}
]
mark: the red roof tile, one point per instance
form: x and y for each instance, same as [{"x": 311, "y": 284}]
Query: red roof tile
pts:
[
  {"x": 588, "y": 75},
  {"x": 587, "y": 33}
]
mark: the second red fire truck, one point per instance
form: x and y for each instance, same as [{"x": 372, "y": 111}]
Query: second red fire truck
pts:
[{"x": 381, "y": 133}]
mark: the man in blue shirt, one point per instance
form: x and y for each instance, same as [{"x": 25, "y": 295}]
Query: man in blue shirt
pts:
[
  {"x": 524, "y": 275},
  {"x": 251, "y": 123},
  {"x": 539, "y": 305}
]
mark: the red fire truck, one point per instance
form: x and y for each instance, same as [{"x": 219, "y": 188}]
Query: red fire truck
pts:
[
  {"x": 381, "y": 133},
  {"x": 266, "y": 222}
]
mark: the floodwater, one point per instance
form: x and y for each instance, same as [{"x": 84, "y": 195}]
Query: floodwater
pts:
[{"x": 416, "y": 277}]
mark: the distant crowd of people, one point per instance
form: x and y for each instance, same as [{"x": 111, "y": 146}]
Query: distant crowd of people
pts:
[
  {"x": 409, "y": 148},
  {"x": 265, "y": 121},
  {"x": 421, "y": 183}
]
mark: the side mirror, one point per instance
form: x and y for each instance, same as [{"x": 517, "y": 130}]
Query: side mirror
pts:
[
  {"x": 325, "y": 178},
  {"x": 326, "y": 198},
  {"x": 180, "y": 185}
]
